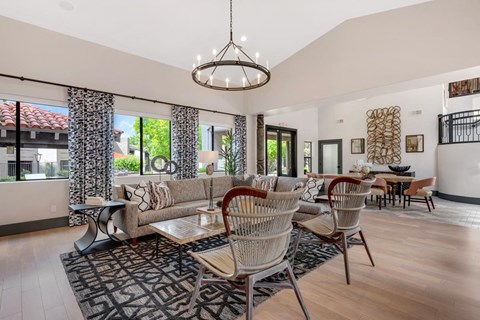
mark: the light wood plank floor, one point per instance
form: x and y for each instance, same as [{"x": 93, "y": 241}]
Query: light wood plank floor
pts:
[{"x": 423, "y": 270}]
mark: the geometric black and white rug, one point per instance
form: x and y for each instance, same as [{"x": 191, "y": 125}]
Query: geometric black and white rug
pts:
[{"x": 128, "y": 283}]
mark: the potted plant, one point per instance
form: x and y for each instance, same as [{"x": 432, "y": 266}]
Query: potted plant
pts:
[{"x": 228, "y": 152}]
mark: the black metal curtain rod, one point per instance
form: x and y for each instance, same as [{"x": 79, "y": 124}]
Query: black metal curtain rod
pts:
[{"x": 21, "y": 78}]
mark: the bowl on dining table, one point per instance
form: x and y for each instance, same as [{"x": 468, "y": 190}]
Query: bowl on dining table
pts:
[{"x": 399, "y": 168}]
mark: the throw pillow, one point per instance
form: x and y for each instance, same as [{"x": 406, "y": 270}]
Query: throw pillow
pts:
[
  {"x": 265, "y": 183},
  {"x": 312, "y": 189},
  {"x": 298, "y": 185},
  {"x": 237, "y": 182},
  {"x": 139, "y": 194},
  {"x": 161, "y": 195}
]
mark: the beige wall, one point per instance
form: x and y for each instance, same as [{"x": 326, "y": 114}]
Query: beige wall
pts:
[{"x": 375, "y": 51}]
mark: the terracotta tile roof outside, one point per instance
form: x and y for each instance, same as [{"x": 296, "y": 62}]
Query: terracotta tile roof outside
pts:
[{"x": 34, "y": 117}]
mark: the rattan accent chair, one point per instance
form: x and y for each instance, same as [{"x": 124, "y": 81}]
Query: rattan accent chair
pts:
[
  {"x": 346, "y": 197},
  {"x": 420, "y": 194},
  {"x": 258, "y": 226}
]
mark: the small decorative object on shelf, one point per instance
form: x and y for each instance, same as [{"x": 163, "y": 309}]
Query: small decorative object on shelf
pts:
[
  {"x": 361, "y": 166},
  {"x": 399, "y": 168},
  {"x": 95, "y": 201}
]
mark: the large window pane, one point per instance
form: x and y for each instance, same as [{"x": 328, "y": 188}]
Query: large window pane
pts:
[
  {"x": 7, "y": 140},
  {"x": 219, "y": 142},
  {"x": 205, "y": 141},
  {"x": 43, "y": 141},
  {"x": 156, "y": 142},
  {"x": 126, "y": 145}
]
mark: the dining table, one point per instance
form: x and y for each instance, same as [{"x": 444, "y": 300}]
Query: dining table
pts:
[{"x": 393, "y": 180}]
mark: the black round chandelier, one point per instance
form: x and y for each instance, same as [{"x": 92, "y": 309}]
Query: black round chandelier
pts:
[{"x": 231, "y": 69}]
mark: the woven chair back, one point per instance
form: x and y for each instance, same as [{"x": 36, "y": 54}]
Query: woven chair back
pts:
[
  {"x": 258, "y": 226},
  {"x": 346, "y": 197}
]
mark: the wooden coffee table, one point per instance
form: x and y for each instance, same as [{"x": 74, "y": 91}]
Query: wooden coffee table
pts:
[{"x": 185, "y": 230}]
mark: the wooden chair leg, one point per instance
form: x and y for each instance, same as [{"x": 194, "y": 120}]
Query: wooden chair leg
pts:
[
  {"x": 293, "y": 281},
  {"x": 249, "y": 293},
  {"x": 404, "y": 198},
  {"x": 134, "y": 242},
  {"x": 345, "y": 256},
  {"x": 366, "y": 247},
  {"x": 379, "y": 202},
  {"x": 409, "y": 197},
  {"x": 384, "y": 200},
  {"x": 428, "y": 204},
  {"x": 297, "y": 243},
  {"x": 431, "y": 200},
  {"x": 198, "y": 284}
]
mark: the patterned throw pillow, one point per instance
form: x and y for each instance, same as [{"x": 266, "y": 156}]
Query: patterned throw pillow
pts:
[
  {"x": 161, "y": 195},
  {"x": 139, "y": 194},
  {"x": 312, "y": 189},
  {"x": 237, "y": 182},
  {"x": 265, "y": 183}
]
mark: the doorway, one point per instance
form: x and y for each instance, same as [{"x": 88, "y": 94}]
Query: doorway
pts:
[
  {"x": 330, "y": 156},
  {"x": 281, "y": 151}
]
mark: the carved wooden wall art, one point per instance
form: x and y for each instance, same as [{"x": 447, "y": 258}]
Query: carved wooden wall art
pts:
[{"x": 383, "y": 130}]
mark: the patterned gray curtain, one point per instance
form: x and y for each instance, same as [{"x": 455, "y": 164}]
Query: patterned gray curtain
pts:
[
  {"x": 185, "y": 141},
  {"x": 90, "y": 146},
  {"x": 240, "y": 138}
]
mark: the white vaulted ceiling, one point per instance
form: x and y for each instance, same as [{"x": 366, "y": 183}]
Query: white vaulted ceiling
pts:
[{"x": 174, "y": 32}]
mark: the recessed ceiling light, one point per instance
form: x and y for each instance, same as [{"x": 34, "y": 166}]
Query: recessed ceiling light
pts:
[
  {"x": 66, "y": 5},
  {"x": 243, "y": 38}
]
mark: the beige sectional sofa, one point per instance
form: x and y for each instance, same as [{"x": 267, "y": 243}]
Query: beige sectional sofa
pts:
[{"x": 189, "y": 195}]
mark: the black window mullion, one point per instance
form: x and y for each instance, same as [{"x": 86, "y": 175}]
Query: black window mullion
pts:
[
  {"x": 141, "y": 146},
  {"x": 17, "y": 142}
]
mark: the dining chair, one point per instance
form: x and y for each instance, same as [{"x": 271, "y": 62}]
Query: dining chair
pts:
[
  {"x": 416, "y": 189},
  {"x": 346, "y": 197},
  {"x": 258, "y": 225},
  {"x": 385, "y": 176},
  {"x": 379, "y": 190}
]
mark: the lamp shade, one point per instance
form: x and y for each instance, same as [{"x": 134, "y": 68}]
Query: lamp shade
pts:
[{"x": 207, "y": 156}]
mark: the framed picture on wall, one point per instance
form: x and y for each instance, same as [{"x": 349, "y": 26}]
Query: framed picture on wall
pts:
[
  {"x": 358, "y": 146},
  {"x": 414, "y": 143}
]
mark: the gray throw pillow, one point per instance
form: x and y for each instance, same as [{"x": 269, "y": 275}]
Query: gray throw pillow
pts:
[{"x": 237, "y": 182}]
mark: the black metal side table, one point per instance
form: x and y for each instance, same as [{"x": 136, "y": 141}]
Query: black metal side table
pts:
[{"x": 95, "y": 221}]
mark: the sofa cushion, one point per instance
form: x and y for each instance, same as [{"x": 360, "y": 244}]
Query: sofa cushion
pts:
[
  {"x": 313, "y": 208},
  {"x": 287, "y": 184},
  {"x": 190, "y": 208},
  {"x": 187, "y": 190},
  {"x": 220, "y": 186},
  {"x": 140, "y": 194},
  {"x": 151, "y": 216}
]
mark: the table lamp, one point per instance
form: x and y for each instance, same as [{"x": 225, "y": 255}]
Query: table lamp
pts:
[{"x": 209, "y": 157}]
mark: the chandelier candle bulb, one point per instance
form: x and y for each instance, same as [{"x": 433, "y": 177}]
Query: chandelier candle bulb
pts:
[
  {"x": 211, "y": 80},
  {"x": 258, "y": 78},
  {"x": 243, "y": 80},
  {"x": 226, "y": 80},
  {"x": 256, "y": 57}
]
